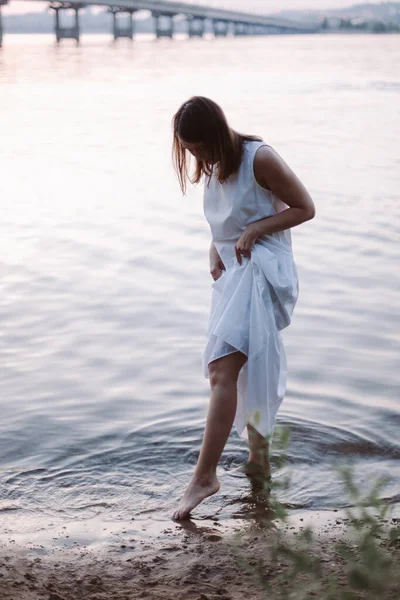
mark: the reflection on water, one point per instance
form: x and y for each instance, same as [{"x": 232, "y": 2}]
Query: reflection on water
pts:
[{"x": 105, "y": 288}]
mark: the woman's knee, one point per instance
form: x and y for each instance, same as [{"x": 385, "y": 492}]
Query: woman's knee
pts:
[
  {"x": 219, "y": 376},
  {"x": 225, "y": 370}
]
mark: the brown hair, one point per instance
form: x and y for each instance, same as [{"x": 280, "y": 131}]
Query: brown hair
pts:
[{"x": 200, "y": 120}]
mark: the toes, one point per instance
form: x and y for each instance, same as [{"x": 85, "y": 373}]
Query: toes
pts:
[
  {"x": 177, "y": 515},
  {"x": 180, "y": 514}
]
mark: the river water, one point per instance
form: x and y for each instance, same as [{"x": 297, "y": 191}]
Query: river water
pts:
[{"x": 105, "y": 288}]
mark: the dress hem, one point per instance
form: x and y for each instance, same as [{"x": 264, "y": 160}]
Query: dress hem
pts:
[{"x": 207, "y": 376}]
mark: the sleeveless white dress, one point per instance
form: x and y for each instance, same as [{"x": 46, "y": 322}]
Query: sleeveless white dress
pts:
[{"x": 251, "y": 303}]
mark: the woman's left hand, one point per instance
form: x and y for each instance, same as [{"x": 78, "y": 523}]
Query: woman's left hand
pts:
[{"x": 245, "y": 243}]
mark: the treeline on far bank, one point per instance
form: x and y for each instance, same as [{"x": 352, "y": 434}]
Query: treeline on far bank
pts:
[{"x": 374, "y": 26}]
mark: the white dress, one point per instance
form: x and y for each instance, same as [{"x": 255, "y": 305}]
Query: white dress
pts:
[{"x": 251, "y": 303}]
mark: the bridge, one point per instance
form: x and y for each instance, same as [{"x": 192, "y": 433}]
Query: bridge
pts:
[{"x": 223, "y": 21}]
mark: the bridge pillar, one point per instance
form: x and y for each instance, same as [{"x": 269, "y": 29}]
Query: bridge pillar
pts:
[
  {"x": 66, "y": 32},
  {"x": 249, "y": 30},
  {"x": 243, "y": 29},
  {"x": 122, "y": 31},
  {"x": 220, "y": 28},
  {"x": 164, "y": 24},
  {"x": 196, "y": 26},
  {"x": 1, "y": 22},
  {"x": 238, "y": 28}
]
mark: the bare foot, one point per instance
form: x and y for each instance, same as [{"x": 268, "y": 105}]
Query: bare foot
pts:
[
  {"x": 196, "y": 491},
  {"x": 252, "y": 469}
]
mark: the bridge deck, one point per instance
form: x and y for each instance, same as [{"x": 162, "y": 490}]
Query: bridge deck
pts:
[{"x": 197, "y": 10}]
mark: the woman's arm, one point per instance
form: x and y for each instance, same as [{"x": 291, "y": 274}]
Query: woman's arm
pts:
[
  {"x": 213, "y": 251},
  {"x": 216, "y": 264},
  {"x": 273, "y": 173}
]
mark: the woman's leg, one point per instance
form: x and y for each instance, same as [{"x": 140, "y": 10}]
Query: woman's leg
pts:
[
  {"x": 224, "y": 374},
  {"x": 259, "y": 451},
  {"x": 258, "y": 464}
]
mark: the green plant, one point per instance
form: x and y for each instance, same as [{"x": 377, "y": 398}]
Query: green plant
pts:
[{"x": 367, "y": 566}]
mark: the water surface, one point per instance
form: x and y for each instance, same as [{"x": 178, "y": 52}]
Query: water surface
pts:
[{"x": 105, "y": 287}]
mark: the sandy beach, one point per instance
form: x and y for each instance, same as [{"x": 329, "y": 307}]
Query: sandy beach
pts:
[{"x": 197, "y": 559}]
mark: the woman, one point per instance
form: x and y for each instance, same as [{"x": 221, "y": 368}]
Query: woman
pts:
[{"x": 251, "y": 200}]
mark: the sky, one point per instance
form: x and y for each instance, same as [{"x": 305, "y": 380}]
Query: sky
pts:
[{"x": 261, "y": 6}]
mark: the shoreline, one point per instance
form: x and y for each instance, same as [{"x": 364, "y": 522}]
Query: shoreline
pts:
[{"x": 146, "y": 558}]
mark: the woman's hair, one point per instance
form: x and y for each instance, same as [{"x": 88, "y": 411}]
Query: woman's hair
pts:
[{"x": 200, "y": 120}]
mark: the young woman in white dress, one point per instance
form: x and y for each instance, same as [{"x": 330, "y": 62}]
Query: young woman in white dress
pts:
[{"x": 251, "y": 200}]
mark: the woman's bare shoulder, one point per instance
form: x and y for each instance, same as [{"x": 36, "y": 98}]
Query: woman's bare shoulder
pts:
[
  {"x": 272, "y": 171},
  {"x": 266, "y": 154},
  {"x": 267, "y": 163}
]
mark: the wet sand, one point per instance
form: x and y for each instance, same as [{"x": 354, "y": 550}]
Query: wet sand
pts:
[{"x": 187, "y": 559}]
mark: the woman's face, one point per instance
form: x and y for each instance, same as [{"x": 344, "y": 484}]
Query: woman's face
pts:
[{"x": 197, "y": 149}]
